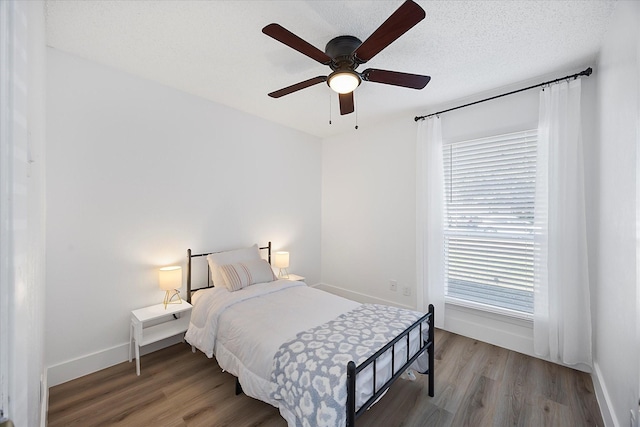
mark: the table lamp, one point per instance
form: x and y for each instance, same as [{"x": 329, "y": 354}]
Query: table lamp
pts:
[
  {"x": 281, "y": 261},
  {"x": 170, "y": 279}
]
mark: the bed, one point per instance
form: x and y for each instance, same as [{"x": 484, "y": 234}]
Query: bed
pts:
[{"x": 319, "y": 358}]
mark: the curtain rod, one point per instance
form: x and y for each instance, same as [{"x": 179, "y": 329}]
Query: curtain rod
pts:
[{"x": 586, "y": 72}]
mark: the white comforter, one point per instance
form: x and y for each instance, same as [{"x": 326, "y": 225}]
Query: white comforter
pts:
[
  {"x": 245, "y": 329},
  {"x": 245, "y": 337}
]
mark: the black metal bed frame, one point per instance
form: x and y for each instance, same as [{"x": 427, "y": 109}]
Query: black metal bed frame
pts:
[{"x": 352, "y": 369}]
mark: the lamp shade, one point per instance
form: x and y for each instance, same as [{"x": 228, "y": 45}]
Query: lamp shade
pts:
[
  {"x": 170, "y": 277},
  {"x": 281, "y": 259}
]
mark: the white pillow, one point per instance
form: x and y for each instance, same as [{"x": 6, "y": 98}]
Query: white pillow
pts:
[
  {"x": 243, "y": 274},
  {"x": 230, "y": 257}
]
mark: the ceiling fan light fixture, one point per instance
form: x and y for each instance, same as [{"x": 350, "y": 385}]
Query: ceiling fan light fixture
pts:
[{"x": 344, "y": 81}]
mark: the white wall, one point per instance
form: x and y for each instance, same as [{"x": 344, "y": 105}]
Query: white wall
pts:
[
  {"x": 369, "y": 209},
  {"x": 138, "y": 173},
  {"x": 616, "y": 355}
]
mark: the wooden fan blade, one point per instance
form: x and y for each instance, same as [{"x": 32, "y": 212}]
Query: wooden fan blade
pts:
[
  {"x": 401, "y": 21},
  {"x": 287, "y": 37},
  {"x": 346, "y": 103},
  {"x": 296, "y": 87},
  {"x": 413, "y": 81}
]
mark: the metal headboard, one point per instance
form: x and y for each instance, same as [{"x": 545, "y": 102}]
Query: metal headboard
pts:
[{"x": 190, "y": 256}]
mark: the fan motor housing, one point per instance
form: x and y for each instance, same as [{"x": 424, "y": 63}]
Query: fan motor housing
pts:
[{"x": 340, "y": 49}]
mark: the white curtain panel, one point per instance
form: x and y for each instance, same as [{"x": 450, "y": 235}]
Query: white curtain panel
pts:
[
  {"x": 562, "y": 315},
  {"x": 430, "y": 217},
  {"x": 22, "y": 197}
]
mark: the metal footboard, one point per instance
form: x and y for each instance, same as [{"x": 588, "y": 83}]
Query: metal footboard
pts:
[{"x": 353, "y": 370}]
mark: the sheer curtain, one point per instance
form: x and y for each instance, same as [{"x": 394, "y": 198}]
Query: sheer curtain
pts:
[
  {"x": 430, "y": 217},
  {"x": 562, "y": 315},
  {"x": 22, "y": 215}
]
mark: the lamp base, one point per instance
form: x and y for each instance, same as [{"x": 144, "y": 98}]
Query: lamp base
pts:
[
  {"x": 283, "y": 274},
  {"x": 169, "y": 296}
]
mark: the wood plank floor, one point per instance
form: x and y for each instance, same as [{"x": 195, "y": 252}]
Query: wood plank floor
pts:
[{"x": 476, "y": 384}]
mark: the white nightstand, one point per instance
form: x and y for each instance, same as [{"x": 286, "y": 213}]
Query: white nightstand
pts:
[
  {"x": 296, "y": 278},
  {"x": 155, "y": 323}
]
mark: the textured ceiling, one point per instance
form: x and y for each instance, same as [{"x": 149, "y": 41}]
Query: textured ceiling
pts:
[{"x": 216, "y": 50}]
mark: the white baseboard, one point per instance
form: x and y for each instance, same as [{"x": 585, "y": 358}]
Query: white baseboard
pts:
[
  {"x": 604, "y": 400},
  {"x": 90, "y": 363},
  {"x": 357, "y": 296},
  {"x": 503, "y": 331}
]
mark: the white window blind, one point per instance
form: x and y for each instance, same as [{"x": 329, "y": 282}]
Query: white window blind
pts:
[{"x": 490, "y": 192}]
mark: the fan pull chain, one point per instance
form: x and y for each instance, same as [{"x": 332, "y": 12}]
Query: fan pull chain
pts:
[
  {"x": 355, "y": 107},
  {"x": 329, "y": 108}
]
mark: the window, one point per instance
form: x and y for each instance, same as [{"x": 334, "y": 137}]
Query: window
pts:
[{"x": 488, "y": 233}]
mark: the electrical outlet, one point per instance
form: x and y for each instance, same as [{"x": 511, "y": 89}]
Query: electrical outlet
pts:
[
  {"x": 393, "y": 285},
  {"x": 406, "y": 291}
]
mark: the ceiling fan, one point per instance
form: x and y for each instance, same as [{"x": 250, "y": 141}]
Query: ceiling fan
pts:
[{"x": 344, "y": 54}]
